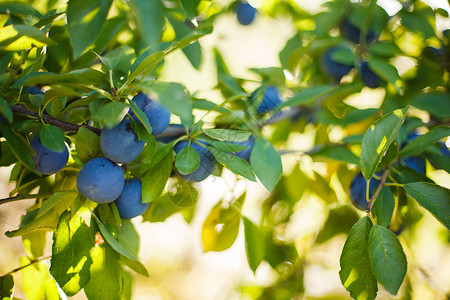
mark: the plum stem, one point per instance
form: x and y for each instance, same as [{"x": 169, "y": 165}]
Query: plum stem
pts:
[
  {"x": 380, "y": 186},
  {"x": 32, "y": 261},
  {"x": 65, "y": 126}
]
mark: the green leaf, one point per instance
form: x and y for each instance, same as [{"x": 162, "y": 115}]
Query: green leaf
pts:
[
  {"x": 220, "y": 228},
  {"x": 5, "y": 110},
  {"x": 19, "y": 8},
  {"x": 254, "y": 244},
  {"x": 30, "y": 224},
  {"x": 190, "y": 7},
  {"x": 112, "y": 59},
  {"x": 112, "y": 113},
  {"x": 227, "y": 146},
  {"x": 378, "y": 138},
  {"x": 436, "y": 103},
  {"x": 18, "y": 146},
  {"x": 228, "y": 134},
  {"x": 22, "y": 37},
  {"x": 53, "y": 138},
  {"x": 86, "y": 76},
  {"x": 336, "y": 152},
  {"x": 387, "y": 72},
  {"x": 266, "y": 163},
  {"x": 384, "y": 49},
  {"x": 236, "y": 164},
  {"x": 144, "y": 66},
  {"x": 432, "y": 197},
  {"x": 343, "y": 56},
  {"x": 174, "y": 96},
  {"x": 307, "y": 95},
  {"x": 106, "y": 275},
  {"x": 193, "y": 52},
  {"x": 66, "y": 198},
  {"x": 129, "y": 258},
  {"x": 384, "y": 206},
  {"x": 387, "y": 258},
  {"x": 87, "y": 144},
  {"x": 417, "y": 22},
  {"x": 141, "y": 116},
  {"x": 6, "y": 286},
  {"x": 34, "y": 278},
  {"x": 422, "y": 142},
  {"x": 155, "y": 179},
  {"x": 356, "y": 273},
  {"x": 70, "y": 254},
  {"x": 149, "y": 18},
  {"x": 187, "y": 160},
  {"x": 85, "y": 19}
]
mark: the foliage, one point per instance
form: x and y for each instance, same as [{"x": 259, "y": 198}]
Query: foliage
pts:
[{"x": 68, "y": 70}]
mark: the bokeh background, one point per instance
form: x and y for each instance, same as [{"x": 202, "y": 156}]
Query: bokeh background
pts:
[{"x": 172, "y": 250}]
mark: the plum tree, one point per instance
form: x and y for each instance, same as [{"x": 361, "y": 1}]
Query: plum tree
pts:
[
  {"x": 120, "y": 143},
  {"x": 358, "y": 189},
  {"x": 207, "y": 161},
  {"x": 101, "y": 180},
  {"x": 245, "y": 13},
  {"x": 47, "y": 161},
  {"x": 158, "y": 115},
  {"x": 129, "y": 204},
  {"x": 333, "y": 68}
]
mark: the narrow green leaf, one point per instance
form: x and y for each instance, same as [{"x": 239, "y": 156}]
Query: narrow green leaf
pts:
[
  {"x": 187, "y": 160},
  {"x": 422, "y": 142},
  {"x": 234, "y": 163},
  {"x": 190, "y": 7},
  {"x": 70, "y": 254},
  {"x": 141, "y": 116},
  {"x": 384, "y": 49},
  {"x": 337, "y": 153},
  {"x": 266, "y": 163},
  {"x": 131, "y": 260},
  {"x": 20, "y": 150},
  {"x": 432, "y": 197},
  {"x": 146, "y": 65},
  {"x": 149, "y": 18},
  {"x": 111, "y": 59},
  {"x": 66, "y": 197},
  {"x": 387, "y": 258},
  {"x": 384, "y": 206},
  {"x": 86, "y": 76},
  {"x": 254, "y": 244},
  {"x": 356, "y": 273},
  {"x": 174, "y": 96},
  {"x": 106, "y": 275},
  {"x": 436, "y": 103},
  {"x": 387, "y": 72},
  {"x": 30, "y": 224},
  {"x": 22, "y": 37},
  {"x": 53, "y": 138},
  {"x": 5, "y": 110},
  {"x": 85, "y": 19},
  {"x": 156, "y": 178},
  {"x": 193, "y": 52},
  {"x": 6, "y": 286},
  {"x": 220, "y": 228},
  {"x": 19, "y": 8},
  {"x": 228, "y": 134},
  {"x": 307, "y": 95},
  {"x": 87, "y": 144},
  {"x": 378, "y": 138},
  {"x": 34, "y": 278},
  {"x": 112, "y": 113}
]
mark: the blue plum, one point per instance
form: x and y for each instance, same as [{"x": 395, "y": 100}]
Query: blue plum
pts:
[
  {"x": 358, "y": 190},
  {"x": 158, "y": 115},
  {"x": 120, "y": 143},
  {"x": 270, "y": 100},
  {"x": 171, "y": 137},
  {"x": 369, "y": 77},
  {"x": 34, "y": 90},
  {"x": 418, "y": 164},
  {"x": 245, "y": 13},
  {"x": 47, "y": 161},
  {"x": 129, "y": 204},
  {"x": 207, "y": 161},
  {"x": 245, "y": 154},
  {"x": 353, "y": 33},
  {"x": 335, "y": 69},
  {"x": 101, "y": 180}
]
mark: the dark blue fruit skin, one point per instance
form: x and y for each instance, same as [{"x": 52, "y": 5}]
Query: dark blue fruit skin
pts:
[
  {"x": 332, "y": 68},
  {"x": 171, "y": 138},
  {"x": 34, "y": 90},
  {"x": 369, "y": 77},
  {"x": 245, "y": 154},
  {"x": 129, "y": 204},
  {"x": 352, "y": 33},
  {"x": 158, "y": 115},
  {"x": 101, "y": 180},
  {"x": 120, "y": 144},
  {"x": 245, "y": 13},
  {"x": 270, "y": 100},
  {"x": 207, "y": 161},
  {"x": 418, "y": 164},
  {"x": 47, "y": 161},
  {"x": 358, "y": 190}
]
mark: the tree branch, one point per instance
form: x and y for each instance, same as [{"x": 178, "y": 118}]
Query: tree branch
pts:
[
  {"x": 380, "y": 186},
  {"x": 32, "y": 261},
  {"x": 23, "y": 197},
  {"x": 65, "y": 126}
]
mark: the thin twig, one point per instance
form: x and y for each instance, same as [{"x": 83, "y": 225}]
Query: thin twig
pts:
[
  {"x": 380, "y": 186},
  {"x": 23, "y": 197},
  {"x": 32, "y": 261},
  {"x": 65, "y": 126}
]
